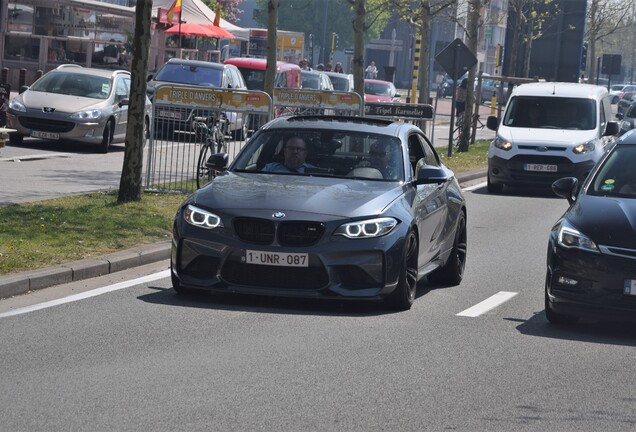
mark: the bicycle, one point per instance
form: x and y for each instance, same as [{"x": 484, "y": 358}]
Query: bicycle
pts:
[{"x": 211, "y": 131}]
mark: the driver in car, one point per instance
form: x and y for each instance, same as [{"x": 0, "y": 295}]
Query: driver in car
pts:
[{"x": 295, "y": 152}]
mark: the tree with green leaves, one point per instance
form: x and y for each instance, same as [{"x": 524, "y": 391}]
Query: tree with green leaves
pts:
[
  {"x": 229, "y": 8},
  {"x": 604, "y": 18}
]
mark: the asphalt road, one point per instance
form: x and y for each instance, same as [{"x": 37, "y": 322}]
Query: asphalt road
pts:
[{"x": 139, "y": 357}]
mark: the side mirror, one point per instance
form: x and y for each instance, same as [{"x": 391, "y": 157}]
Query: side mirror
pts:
[
  {"x": 23, "y": 88},
  {"x": 566, "y": 188},
  {"x": 217, "y": 162},
  {"x": 124, "y": 101},
  {"x": 397, "y": 95},
  {"x": 611, "y": 128},
  {"x": 428, "y": 174},
  {"x": 619, "y": 116},
  {"x": 492, "y": 123}
]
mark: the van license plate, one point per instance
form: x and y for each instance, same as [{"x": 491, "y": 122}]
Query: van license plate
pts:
[
  {"x": 276, "y": 258},
  {"x": 540, "y": 167},
  {"x": 45, "y": 135}
]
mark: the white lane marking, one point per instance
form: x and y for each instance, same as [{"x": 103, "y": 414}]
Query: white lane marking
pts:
[
  {"x": 88, "y": 294},
  {"x": 473, "y": 187},
  {"x": 488, "y": 304}
]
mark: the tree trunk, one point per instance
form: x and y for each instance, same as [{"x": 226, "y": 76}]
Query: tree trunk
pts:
[
  {"x": 130, "y": 182},
  {"x": 272, "y": 24},
  {"x": 358, "y": 46},
  {"x": 471, "y": 34}
]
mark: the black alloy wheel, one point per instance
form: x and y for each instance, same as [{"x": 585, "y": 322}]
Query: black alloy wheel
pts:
[
  {"x": 452, "y": 272},
  {"x": 404, "y": 295}
]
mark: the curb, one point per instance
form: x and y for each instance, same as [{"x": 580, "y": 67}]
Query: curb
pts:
[{"x": 24, "y": 282}]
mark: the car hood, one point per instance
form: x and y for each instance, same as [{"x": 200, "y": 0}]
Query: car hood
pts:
[
  {"x": 341, "y": 198},
  {"x": 60, "y": 102},
  {"x": 539, "y": 136},
  {"x": 378, "y": 98},
  {"x": 607, "y": 221}
]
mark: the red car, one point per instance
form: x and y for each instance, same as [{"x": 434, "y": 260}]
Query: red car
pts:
[{"x": 380, "y": 91}]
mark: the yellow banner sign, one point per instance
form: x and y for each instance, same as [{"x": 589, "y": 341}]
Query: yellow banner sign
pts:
[{"x": 234, "y": 100}]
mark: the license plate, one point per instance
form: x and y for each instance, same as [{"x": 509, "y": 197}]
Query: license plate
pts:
[
  {"x": 45, "y": 135},
  {"x": 629, "y": 287},
  {"x": 280, "y": 259},
  {"x": 540, "y": 167},
  {"x": 170, "y": 114}
]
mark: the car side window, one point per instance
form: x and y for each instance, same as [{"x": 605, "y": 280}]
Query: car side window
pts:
[
  {"x": 122, "y": 89},
  {"x": 429, "y": 153},
  {"x": 415, "y": 152}
]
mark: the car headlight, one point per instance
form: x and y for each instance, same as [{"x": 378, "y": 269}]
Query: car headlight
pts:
[
  {"x": 502, "y": 144},
  {"x": 16, "y": 105},
  {"x": 571, "y": 238},
  {"x": 587, "y": 147},
  {"x": 367, "y": 228},
  {"x": 92, "y": 114},
  {"x": 201, "y": 218}
]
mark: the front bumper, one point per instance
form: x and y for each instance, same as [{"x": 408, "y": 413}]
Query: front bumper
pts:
[
  {"x": 338, "y": 267},
  {"x": 47, "y": 128},
  {"x": 599, "y": 289},
  {"x": 514, "y": 172}
]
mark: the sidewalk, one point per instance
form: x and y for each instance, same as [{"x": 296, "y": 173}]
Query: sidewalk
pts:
[{"x": 22, "y": 283}]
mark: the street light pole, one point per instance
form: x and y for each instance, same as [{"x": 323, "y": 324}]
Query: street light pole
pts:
[{"x": 324, "y": 33}]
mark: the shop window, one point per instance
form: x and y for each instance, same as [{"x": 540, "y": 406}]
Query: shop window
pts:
[{"x": 21, "y": 47}]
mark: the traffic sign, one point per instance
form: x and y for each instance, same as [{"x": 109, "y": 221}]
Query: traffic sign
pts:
[
  {"x": 456, "y": 59},
  {"x": 348, "y": 51}
]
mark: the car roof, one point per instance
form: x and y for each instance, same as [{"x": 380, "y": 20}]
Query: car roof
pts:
[
  {"x": 369, "y": 80},
  {"x": 628, "y": 138},
  {"x": 372, "y": 125},
  {"x": 338, "y": 74},
  {"x": 560, "y": 89},
  {"x": 199, "y": 63},
  {"x": 259, "y": 63},
  {"x": 77, "y": 69}
]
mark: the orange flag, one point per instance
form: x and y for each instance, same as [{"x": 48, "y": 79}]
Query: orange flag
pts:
[
  {"x": 217, "y": 17},
  {"x": 174, "y": 13}
]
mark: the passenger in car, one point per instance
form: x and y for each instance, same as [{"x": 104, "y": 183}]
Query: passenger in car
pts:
[
  {"x": 380, "y": 158},
  {"x": 295, "y": 152}
]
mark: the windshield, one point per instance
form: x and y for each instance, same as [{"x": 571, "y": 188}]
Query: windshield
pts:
[
  {"x": 379, "y": 89},
  {"x": 551, "y": 113},
  {"x": 340, "y": 83},
  {"x": 90, "y": 86},
  {"x": 254, "y": 79},
  {"x": 617, "y": 176},
  {"x": 189, "y": 74},
  {"x": 310, "y": 81},
  {"x": 327, "y": 153}
]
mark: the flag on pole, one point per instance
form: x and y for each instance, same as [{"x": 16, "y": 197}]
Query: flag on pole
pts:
[
  {"x": 174, "y": 13},
  {"x": 217, "y": 17}
]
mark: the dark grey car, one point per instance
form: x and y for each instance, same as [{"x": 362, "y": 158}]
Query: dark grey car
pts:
[{"x": 347, "y": 227}]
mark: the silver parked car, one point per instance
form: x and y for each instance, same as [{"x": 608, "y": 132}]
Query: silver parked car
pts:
[{"x": 74, "y": 103}]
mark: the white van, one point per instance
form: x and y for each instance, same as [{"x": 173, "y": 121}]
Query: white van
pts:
[{"x": 548, "y": 131}]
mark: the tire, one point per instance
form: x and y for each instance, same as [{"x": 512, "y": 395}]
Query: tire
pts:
[
  {"x": 16, "y": 139},
  {"x": 552, "y": 316},
  {"x": 204, "y": 174},
  {"x": 452, "y": 272},
  {"x": 404, "y": 295},
  {"x": 493, "y": 188},
  {"x": 107, "y": 137}
]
